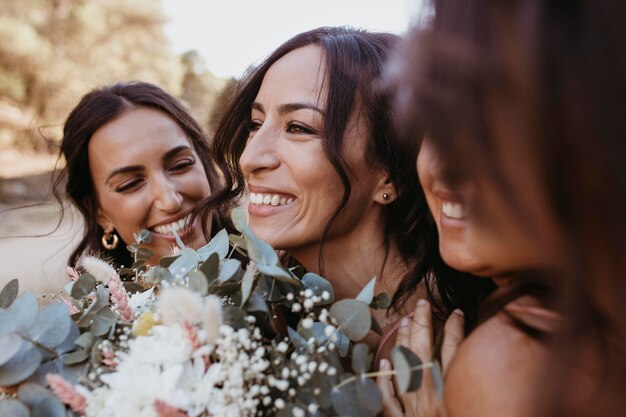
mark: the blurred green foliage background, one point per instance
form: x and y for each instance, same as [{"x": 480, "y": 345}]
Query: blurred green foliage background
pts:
[{"x": 53, "y": 51}]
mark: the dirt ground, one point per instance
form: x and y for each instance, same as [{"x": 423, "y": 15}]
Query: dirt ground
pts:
[{"x": 30, "y": 247}]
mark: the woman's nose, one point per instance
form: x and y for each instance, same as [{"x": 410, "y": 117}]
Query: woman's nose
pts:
[
  {"x": 260, "y": 152},
  {"x": 167, "y": 197}
]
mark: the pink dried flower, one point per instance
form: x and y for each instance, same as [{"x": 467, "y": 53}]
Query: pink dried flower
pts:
[
  {"x": 165, "y": 410},
  {"x": 119, "y": 298},
  {"x": 67, "y": 393},
  {"x": 192, "y": 335},
  {"x": 109, "y": 357},
  {"x": 73, "y": 274}
]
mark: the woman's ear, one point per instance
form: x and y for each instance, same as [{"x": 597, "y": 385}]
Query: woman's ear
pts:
[
  {"x": 385, "y": 191},
  {"x": 104, "y": 221}
]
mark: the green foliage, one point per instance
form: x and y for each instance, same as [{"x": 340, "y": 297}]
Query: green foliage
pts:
[{"x": 408, "y": 368}]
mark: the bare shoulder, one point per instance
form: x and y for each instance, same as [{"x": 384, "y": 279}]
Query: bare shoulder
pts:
[{"x": 495, "y": 371}]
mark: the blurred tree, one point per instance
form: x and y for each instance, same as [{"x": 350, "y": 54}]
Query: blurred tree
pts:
[
  {"x": 54, "y": 51},
  {"x": 200, "y": 87}
]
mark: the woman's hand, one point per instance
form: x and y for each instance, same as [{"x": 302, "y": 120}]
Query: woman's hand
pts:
[{"x": 417, "y": 335}]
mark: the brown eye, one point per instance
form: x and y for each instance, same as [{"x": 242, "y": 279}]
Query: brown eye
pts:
[
  {"x": 128, "y": 186},
  {"x": 299, "y": 128},
  {"x": 182, "y": 165}
]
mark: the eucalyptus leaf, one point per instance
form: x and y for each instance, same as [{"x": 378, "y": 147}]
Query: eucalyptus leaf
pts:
[
  {"x": 346, "y": 402},
  {"x": 50, "y": 407},
  {"x": 234, "y": 317},
  {"x": 256, "y": 303},
  {"x": 10, "y": 344},
  {"x": 229, "y": 269},
  {"x": 21, "y": 366},
  {"x": 238, "y": 241},
  {"x": 9, "y": 293},
  {"x": 166, "y": 261},
  {"x": 219, "y": 245},
  {"x": 369, "y": 395},
  {"x": 318, "y": 285},
  {"x": 279, "y": 273},
  {"x": 361, "y": 358},
  {"x": 140, "y": 263},
  {"x": 13, "y": 408},
  {"x": 437, "y": 379},
  {"x": 85, "y": 340},
  {"x": 376, "y": 327},
  {"x": 76, "y": 357},
  {"x": 260, "y": 252},
  {"x": 353, "y": 317},
  {"x": 367, "y": 293},
  {"x": 68, "y": 344},
  {"x": 144, "y": 236},
  {"x": 404, "y": 362},
  {"x": 247, "y": 284},
  {"x": 198, "y": 282},
  {"x": 23, "y": 312},
  {"x": 211, "y": 267},
  {"x": 297, "y": 340},
  {"x": 52, "y": 325},
  {"x": 238, "y": 216},
  {"x": 225, "y": 289},
  {"x": 83, "y": 286},
  {"x": 133, "y": 287},
  {"x": 132, "y": 248},
  {"x": 144, "y": 253},
  {"x": 186, "y": 262},
  {"x": 381, "y": 301},
  {"x": 179, "y": 241},
  {"x": 32, "y": 394}
]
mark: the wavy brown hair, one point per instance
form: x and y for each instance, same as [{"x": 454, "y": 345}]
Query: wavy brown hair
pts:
[{"x": 552, "y": 72}]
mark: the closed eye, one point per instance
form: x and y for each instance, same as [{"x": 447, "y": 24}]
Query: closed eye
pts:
[
  {"x": 183, "y": 164},
  {"x": 129, "y": 186}
]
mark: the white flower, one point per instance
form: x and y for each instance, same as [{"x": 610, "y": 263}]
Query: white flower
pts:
[
  {"x": 139, "y": 300},
  {"x": 212, "y": 318},
  {"x": 180, "y": 304},
  {"x": 100, "y": 269}
]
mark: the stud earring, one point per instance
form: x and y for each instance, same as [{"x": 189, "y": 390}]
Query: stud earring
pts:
[
  {"x": 110, "y": 240},
  {"x": 385, "y": 196}
]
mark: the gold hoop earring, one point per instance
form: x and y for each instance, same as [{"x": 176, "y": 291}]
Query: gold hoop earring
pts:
[{"x": 110, "y": 240}]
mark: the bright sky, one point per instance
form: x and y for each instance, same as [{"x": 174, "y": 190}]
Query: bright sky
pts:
[{"x": 234, "y": 34}]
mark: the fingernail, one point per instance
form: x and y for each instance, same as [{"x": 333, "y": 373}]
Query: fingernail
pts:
[
  {"x": 459, "y": 312},
  {"x": 383, "y": 364},
  {"x": 404, "y": 322},
  {"x": 421, "y": 302}
]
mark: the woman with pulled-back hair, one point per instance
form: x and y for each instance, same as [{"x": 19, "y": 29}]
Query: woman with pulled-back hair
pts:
[
  {"x": 135, "y": 159},
  {"x": 309, "y": 138},
  {"x": 521, "y": 103}
]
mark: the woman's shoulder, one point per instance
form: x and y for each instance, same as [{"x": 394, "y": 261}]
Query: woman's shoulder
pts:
[{"x": 493, "y": 370}]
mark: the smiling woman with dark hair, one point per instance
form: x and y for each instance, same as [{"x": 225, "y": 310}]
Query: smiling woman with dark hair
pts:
[
  {"x": 135, "y": 159},
  {"x": 522, "y": 104},
  {"x": 309, "y": 136}
]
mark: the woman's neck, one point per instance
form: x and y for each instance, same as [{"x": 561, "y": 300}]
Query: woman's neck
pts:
[{"x": 351, "y": 261}]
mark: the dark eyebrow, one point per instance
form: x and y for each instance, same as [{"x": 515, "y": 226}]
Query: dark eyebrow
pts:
[
  {"x": 289, "y": 107},
  {"x": 132, "y": 168}
]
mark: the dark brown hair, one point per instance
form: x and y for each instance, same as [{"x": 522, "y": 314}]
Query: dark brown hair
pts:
[
  {"x": 553, "y": 72},
  {"x": 355, "y": 65},
  {"x": 95, "y": 109}
]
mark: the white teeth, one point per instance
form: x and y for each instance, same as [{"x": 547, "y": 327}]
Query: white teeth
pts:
[
  {"x": 453, "y": 210},
  {"x": 177, "y": 226},
  {"x": 270, "y": 199}
]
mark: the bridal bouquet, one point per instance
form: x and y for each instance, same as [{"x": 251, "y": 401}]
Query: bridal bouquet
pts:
[{"x": 224, "y": 330}]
